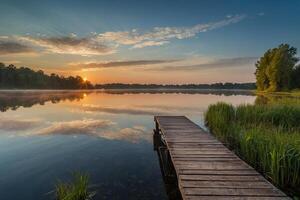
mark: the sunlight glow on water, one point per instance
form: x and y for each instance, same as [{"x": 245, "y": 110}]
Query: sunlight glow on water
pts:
[{"x": 45, "y": 136}]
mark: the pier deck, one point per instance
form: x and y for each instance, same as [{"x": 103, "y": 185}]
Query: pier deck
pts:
[{"x": 205, "y": 168}]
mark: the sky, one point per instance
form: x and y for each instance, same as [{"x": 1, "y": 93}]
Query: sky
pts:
[{"x": 139, "y": 41}]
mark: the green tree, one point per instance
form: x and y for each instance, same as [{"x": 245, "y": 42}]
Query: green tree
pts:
[
  {"x": 25, "y": 78},
  {"x": 262, "y": 81},
  {"x": 296, "y": 77},
  {"x": 274, "y": 70}
]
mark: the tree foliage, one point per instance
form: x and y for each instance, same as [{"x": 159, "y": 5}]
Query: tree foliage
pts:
[
  {"x": 24, "y": 78},
  {"x": 275, "y": 70}
]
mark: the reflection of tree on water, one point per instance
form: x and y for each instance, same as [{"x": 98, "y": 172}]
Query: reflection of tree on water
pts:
[
  {"x": 166, "y": 167},
  {"x": 271, "y": 99},
  {"x": 225, "y": 92},
  {"x": 15, "y": 99},
  {"x": 22, "y": 98}
]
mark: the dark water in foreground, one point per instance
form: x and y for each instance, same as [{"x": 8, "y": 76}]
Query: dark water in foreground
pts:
[{"x": 45, "y": 136}]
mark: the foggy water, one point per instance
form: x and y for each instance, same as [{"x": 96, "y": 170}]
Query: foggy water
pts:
[{"x": 46, "y": 136}]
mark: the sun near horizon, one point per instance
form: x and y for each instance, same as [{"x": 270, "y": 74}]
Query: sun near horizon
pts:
[
  {"x": 184, "y": 42},
  {"x": 149, "y": 99}
]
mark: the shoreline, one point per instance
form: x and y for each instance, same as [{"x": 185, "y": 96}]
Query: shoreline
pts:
[{"x": 293, "y": 93}]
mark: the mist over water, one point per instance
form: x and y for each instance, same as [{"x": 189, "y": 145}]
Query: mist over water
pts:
[{"x": 47, "y": 135}]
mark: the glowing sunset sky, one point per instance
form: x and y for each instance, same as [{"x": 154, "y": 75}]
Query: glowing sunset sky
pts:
[{"x": 146, "y": 41}]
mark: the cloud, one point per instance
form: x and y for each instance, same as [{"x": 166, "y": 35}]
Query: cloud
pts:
[
  {"x": 7, "y": 124},
  {"x": 187, "y": 64},
  {"x": 149, "y": 44},
  {"x": 8, "y": 62},
  {"x": 69, "y": 45},
  {"x": 92, "y": 65},
  {"x": 87, "y": 126},
  {"x": 3, "y": 37},
  {"x": 9, "y": 47},
  {"x": 215, "y": 64},
  {"x": 161, "y": 35},
  {"x": 107, "y": 42}
]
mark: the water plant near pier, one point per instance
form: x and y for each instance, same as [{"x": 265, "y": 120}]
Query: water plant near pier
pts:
[
  {"x": 78, "y": 189},
  {"x": 267, "y": 136}
]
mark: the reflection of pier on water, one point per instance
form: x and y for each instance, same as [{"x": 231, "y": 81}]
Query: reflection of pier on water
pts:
[{"x": 166, "y": 167}]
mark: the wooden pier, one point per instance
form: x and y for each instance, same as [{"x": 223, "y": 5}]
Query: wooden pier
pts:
[{"x": 205, "y": 168}]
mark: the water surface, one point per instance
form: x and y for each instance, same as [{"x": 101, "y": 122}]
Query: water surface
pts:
[{"x": 47, "y": 135}]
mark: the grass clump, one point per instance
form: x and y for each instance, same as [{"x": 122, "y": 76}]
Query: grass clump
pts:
[
  {"x": 275, "y": 115},
  {"x": 222, "y": 115},
  {"x": 77, "y": 189},
  {"x": 267, "y": 136}
]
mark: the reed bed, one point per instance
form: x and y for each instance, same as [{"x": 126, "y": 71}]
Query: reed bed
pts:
[
  {"x": 77, "y": 189},
  {"x": 267, "y": 136}
]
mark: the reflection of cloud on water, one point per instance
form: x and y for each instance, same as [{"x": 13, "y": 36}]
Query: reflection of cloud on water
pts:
[
  {"x": 121, "y": 110},
  {"x": 13, "y": 124},
  {"x": 134, "y": 134},
  {"x": 86, "y": 126},
  {"x": 97, "y": 128},
  {"x": 94, "y": 127},
  {"x": 106, "y": 129},
  {"x": 140, "y": 109},
  {"x": 172, "y": 109}
]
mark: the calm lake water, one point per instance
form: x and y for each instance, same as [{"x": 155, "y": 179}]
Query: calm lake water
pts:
[{"x": 46, "y": 136}]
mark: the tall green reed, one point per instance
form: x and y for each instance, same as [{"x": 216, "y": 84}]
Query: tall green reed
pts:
[{"x": 265, "y": 136}]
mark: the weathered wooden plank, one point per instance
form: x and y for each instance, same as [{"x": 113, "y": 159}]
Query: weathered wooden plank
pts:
[
  {"x": 263, "y": 192},
  {"x": 194, "y": 145},
  {"x": 189, "y": 197},
  {"x": 189, "y": 140},
  {"x": 180, "y": 125},
  {"x": 206, "y": 161},
  {"x": 206, "y": 169},
  {"x": 188, "y": 135},
  {"x": 223, "y": 177},
  {"x": 220, "y": 148},
  {"x": 205, "y": 156},
  {"x": 200, "y": 151},
  {"x": 247, "y": 172},
  {"x": 211, "y": 166},
  {"x": 225, "y": 184}
]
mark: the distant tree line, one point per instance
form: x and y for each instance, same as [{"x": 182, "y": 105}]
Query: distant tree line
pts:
[
  {"x": 277, "y": 69},
  {"x": 12, "y": 77},
  {"x": 242, "y": 86}
]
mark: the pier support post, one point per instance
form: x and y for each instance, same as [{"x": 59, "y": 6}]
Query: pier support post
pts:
[{"x": 156, "y": 127}]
